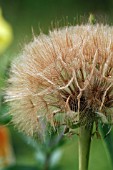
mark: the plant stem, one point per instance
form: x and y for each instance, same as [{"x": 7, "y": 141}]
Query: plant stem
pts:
[
  {"x": 46, "y": 166},
  {"x": 84, "y": 146}
]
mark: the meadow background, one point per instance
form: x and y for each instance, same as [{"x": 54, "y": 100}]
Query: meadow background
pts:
[{"x": 25, "y": 16}]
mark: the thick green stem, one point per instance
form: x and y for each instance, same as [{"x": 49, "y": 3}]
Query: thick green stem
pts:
[{"x": 84, "y": 146}]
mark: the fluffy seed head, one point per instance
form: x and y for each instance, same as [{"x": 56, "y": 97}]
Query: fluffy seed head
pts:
[{"x": 66, "y": 76}]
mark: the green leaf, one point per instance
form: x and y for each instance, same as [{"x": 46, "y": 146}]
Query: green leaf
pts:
[{"x": 107, "y": 136}]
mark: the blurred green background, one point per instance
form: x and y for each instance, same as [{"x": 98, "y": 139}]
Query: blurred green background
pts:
[{"x": 25, "y": 16}]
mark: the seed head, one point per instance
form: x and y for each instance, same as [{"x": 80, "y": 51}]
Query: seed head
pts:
[{"x": 62, "y": 78}]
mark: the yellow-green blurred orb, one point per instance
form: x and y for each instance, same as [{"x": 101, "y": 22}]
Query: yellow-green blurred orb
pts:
[{"x": 5, "y": 34}]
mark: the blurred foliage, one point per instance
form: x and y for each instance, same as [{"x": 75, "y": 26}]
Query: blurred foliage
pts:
[
  {"x": 5, "y": 34},
  {"x": 25, "y": 16},
  {"x": 22, "y": 168},
  {"x": 6, "y": 154}
]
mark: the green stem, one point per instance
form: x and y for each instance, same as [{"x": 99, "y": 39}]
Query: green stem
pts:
[
  {"x": 84, "y": 146},
  {"x": 46, "y": 166}
]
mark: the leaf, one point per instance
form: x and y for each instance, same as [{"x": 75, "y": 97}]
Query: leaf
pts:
[
  {"x": 55, "y": 158},
  {"x": 107, "y": 136},
  {"x": 102, "y": 117}
]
